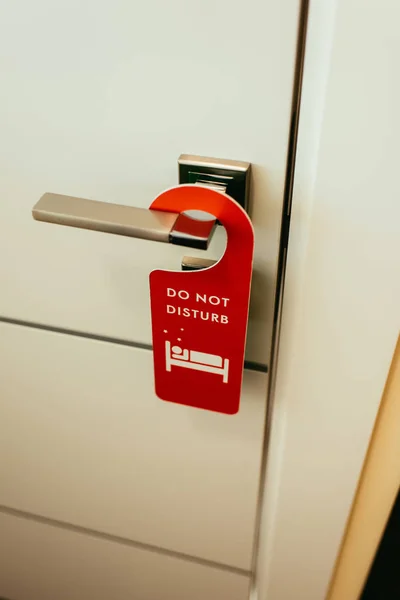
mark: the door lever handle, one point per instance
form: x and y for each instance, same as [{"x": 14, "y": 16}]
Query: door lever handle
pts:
[
  {"x": 156, "y": 225},
  {"x": 228, "y": 176}
]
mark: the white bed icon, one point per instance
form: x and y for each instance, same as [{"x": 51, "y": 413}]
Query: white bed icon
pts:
[{"x": 199, "y": 361}]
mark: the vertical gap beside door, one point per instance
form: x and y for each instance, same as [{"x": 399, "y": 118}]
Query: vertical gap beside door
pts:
[
  {"x": 374, "y": 498},
  {"x": 384, "y": 577},
  {"x": 283, "y": 245}
]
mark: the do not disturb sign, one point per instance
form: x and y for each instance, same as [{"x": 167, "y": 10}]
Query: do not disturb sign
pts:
[{"x": 199, "y": 318}]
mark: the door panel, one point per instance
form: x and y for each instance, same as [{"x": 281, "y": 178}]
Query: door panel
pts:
[
  {"x": 83, "y": 439},
  {"x": 98, "y": 101},
  {"x": 41, "y": 562}
]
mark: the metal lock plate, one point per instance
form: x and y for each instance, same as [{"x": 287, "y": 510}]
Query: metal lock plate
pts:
[{"x": 229, "y": 176}]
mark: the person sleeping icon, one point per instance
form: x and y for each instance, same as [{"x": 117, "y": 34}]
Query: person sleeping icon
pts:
[{"x": 194, "y": 359}]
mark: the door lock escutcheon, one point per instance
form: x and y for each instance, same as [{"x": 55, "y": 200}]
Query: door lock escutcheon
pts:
[{"x": 229, "y": 176}]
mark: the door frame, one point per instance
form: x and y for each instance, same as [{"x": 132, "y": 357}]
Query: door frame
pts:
[{"x": 339, "y": 317}]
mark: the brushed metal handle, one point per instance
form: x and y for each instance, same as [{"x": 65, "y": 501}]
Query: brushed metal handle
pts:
[{"x": 130, "y": 221}]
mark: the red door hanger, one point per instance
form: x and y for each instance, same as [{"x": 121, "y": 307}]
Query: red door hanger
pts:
[{"x": 199, "y": 318}]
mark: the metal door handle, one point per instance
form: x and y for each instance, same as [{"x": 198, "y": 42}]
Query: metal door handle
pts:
[
  {"x": 227, "y": 176},
  {"x": 142, "y": 223}
]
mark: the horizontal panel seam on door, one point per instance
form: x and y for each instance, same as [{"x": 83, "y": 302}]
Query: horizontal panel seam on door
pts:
[
  {"x": 122, "y": 541},
  {"x": 248, "y": 364}
]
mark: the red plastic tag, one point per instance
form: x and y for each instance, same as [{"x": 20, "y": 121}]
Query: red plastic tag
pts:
[{"x": 199, "y": 318}]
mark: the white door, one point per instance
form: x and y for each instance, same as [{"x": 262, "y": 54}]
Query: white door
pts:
[
  {"x": 105, "y": 490},
  {"x": 340, "y": 319}
]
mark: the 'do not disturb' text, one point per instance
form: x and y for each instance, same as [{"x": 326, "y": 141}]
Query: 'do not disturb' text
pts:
[{"x": 206, "y": 303}]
